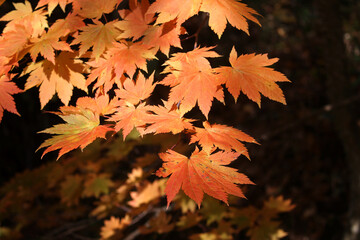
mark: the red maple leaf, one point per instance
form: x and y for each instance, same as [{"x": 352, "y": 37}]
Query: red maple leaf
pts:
[{"x": 201, "y": 173}]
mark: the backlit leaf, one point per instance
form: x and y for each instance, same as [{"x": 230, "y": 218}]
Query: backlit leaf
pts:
[
  {"x": 201, "y": 173},
  {"x": 82, "y": 127},
  {"x": 249, "y": 74}
]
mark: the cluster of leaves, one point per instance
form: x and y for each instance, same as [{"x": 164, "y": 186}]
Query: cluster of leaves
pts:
[
  {"x": 104, "y": 48},
  {"x": 108, "y": 192},
  {"x": 86, "y": 51}
]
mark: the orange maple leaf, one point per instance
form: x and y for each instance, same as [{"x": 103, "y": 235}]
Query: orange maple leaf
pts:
[
  {"x": 100, "y": 105},
  {"x": 150, "y": 192},
  {"x": 135, "y": 21},
  {"x": 196, "y": 86},
  {"x": 122, "y": 57},
  {"x": 201, "y": 173},
  {"x": 136, "y": 92},
  {"x": 167, "y": 119},
  {"x": 46, "y": 46},
  {"x": 53, "y": 3},
  {"x": 196, "y": 58},
  {"x": 193, "y": 80},
  {"x": 94, "y": 8},
  {"x": 99, "y": 36},
  {"x": 222, "y": 11},
  {"x": 7, "y": 89},
  {"x": 163, "y": 36},
  {"x": 34, "y": 21},
  {"x": 171, "y": 9},
  {"x": 14, "y": 41},
  {"x": 82, "y": 127},
  {"x": 249, "y": 74},
  {"x": 221, "y": 136},
  {"x": 56, "y": 78},
  {"x": 129, "y": 117},
  {"x": 63, "y": 27}
]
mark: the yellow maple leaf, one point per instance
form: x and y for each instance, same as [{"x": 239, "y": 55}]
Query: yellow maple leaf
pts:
[
  {"x": 56, "y": 78},
  {"x": 99, "y": 36},
  {"x": 82, "y": 127}
]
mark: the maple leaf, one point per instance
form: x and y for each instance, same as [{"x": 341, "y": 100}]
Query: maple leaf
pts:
[
  {"x": 187, "y": 205},
  {"x": 279, "y": 204},
  {"x": 196, "y": 86},
  {"x": 171, "y": 9},
  {"x": 163, "y": 36},
  {"x": 266, "y": 230},
  {"x": 100, "y": 105},
  {"x": 135, "y": 176},
  {"x": 53, "y": 3},
  {"x": 159, "y": 224},
  {"x": 56, "y": 78},
  {"x": 46, "y": 46},
  {"x": 63, "y": 27},
  {"x": 117, "y": 60},
  {"x": 151, "y": 192},
  {"x": 167, "y": 119},
  {"x": 129, "y": 117},
  {"x": 196, "y": 57},
  {"x": 97, "y": 185},
  {"x": 213, "y": 211},
  {"x": 112, "y": 225},
  {"x": 82, "y": 127},
  {"x": 99, "y": 36},
  {"x": 193, "y": 80},
  {"x": 135, "y": 21},
  {"x": 221, "y": 11},
  {"x": 34, "y": 21},
  {"x": 249, "y": 74},
  {"x": 7, "y": 89},
  {"x": 14, "y": 41},
  {"x": 136, "y": 92},
  {"x": 221, "y": 136},
  {"x": 93, "y": 8},
  {"x": 71, "y": 189},
  {"x": 201, "y": 173}
]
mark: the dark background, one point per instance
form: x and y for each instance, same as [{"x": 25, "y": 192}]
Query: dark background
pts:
[{"x": 310, "y": 149}]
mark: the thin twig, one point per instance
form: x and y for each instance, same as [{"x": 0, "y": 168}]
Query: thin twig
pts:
[
  {"x": 136, "y": 233},
  {"x": 69, "y": 229}
]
